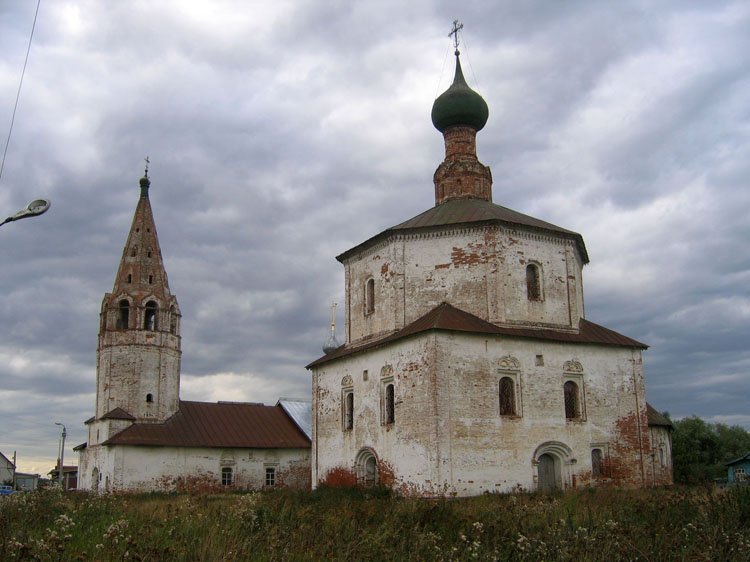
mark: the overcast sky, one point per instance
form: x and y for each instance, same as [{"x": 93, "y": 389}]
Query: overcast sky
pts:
[{"x": 283, "y": 133}]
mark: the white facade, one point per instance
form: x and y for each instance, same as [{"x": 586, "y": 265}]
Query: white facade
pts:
[
  {"x": 448, "y": 436},
  {"x": 140, "y": 468}
]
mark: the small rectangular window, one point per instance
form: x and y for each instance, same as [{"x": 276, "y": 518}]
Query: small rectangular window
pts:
[
  {"x": 226, "y": 476},
  {"x": 270, "y": 476}
]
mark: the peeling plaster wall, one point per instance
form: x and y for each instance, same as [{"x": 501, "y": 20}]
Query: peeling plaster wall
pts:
[
  {"x": 411, "y": 444},
  {"x": 481, "y": 270},
  {"x": 134, "y": 363},
  {"x": 136, "y": 468},
  {"x": 497, "y": 453},
  {"x": 448, "y": 436}
]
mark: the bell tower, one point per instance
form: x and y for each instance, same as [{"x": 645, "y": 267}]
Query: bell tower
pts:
[{"x": 138, "y": 356}]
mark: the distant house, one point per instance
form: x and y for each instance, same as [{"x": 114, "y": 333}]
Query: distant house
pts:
[
  {"x": 6, "y": 470},
  {"x": 738, "y": 470},
  {"x": 70, "y": 476},
  {"x": 26, "y": 481}
]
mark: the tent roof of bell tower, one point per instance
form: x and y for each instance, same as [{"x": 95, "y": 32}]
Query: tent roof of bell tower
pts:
[{"x": 141, "y": 272}]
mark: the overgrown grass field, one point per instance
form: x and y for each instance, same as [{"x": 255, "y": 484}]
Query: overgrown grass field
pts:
[{"x": 351, "y": 524}]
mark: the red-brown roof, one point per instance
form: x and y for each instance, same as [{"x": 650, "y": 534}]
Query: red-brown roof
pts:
[
  {"x": 449, "y": 318},
  {"x": 118, "y": 414},
  {"x": 223, "y": 424},
  {"x": 469, "y": 211}
]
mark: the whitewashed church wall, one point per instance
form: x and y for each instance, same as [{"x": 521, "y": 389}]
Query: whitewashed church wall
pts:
[
  {"x": 158, "y": 374},
  {"x": 134, "y": 468},
  {"x": 448, "y": 435},
  {"x": 491, "y": 452},
  {"x": 479, "y": 270},
  {"x": 558, "y": 275},
  {"x": 409, "y": 446}
]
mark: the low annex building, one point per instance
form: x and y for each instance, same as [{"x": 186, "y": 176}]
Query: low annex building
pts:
[
  {"x": 142, "y": 436},
  {"x": 469, "y": 365}
]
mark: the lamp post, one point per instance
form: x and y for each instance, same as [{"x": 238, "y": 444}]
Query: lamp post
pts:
[
  {"x": 61, "y": 474},
  {"x": 33, "y": 209}
]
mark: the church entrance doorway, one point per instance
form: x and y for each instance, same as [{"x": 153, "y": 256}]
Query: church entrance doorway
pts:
[
  {"x": 367, "y": 467},
  {"x": 547, "y": 474},
  {"x": 552, "y": 464}
]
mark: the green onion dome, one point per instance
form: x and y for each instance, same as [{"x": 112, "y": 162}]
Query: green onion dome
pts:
[{"x": 459, "y": 105}]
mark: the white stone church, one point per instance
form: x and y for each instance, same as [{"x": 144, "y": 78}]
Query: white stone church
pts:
[
  {"x": 469, "y": 365},
  {"x": 142, "y": 436}
]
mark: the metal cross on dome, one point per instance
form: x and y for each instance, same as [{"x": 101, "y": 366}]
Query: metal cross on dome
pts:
[
  {"x": 457, "y": 26},
  {"x": 147, "y": 163}
]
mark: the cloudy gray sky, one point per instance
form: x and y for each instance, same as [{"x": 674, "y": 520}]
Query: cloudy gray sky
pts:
[{"x": 283, "y": 133}]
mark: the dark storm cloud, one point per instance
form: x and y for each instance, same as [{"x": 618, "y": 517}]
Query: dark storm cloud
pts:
[{"x": 282, "y": 135}]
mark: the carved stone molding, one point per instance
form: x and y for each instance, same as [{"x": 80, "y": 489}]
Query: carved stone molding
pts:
[
  {"x": 509, "y": 363},
  {"x": 347, "y": 381},
  {"x": 573, "y": 367}
]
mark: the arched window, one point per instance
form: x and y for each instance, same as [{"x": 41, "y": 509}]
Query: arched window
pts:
[
  {"x": 172, "y": 320},
  {"x": 149, "y": 316},
  {"x": 149, "y": 397},
  {"x": 123, "y": 315},
  {"x": 226, "y": 476},
  {"x": 533, "y": 283},
  {"x": 390, "y": 410},
  {"x": 572, "y": 404},
  {"x": 507, "y": 397},
  {"x": 597, "y": 466},
  {"x": 349, "y": 411},
  {"x": 370, "y": 296}
]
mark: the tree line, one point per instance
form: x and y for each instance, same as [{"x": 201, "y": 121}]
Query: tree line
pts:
[{"x": 700, "y": 449}]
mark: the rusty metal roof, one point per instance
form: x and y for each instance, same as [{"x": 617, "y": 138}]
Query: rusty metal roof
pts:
[
  {"x": 473, "y": 212},
  {"x": 208, "y": 424},
  {"x": 449, "y": 318},
  {"x": 118, "y": 414},
  {"x": 655, "y": 418}
]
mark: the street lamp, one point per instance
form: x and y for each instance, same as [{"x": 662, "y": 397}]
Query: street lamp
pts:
[
  {"x": 36, "y": 207},
  {"x": 61, "y": 475}
]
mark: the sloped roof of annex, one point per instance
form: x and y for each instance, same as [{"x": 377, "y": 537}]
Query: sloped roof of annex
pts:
[
  {"x": 446, "y": 317},
  {"x": 222, "y": 424}
]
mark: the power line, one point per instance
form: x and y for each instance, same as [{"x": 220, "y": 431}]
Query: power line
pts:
[{"x": 18, "y": 94}]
